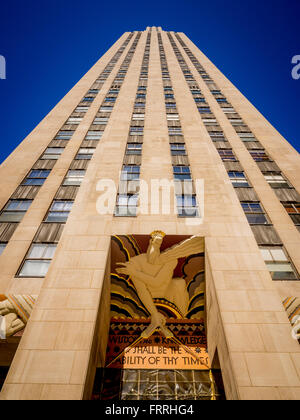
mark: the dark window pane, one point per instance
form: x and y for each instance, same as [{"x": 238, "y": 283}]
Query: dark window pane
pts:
[{"x": 257, "y": 219}]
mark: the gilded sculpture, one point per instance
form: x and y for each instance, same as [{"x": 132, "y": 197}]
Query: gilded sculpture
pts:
[{"x": 152, "y": 276}]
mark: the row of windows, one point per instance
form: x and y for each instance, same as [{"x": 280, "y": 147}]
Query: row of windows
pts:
[
  {"x": 93, "y": 92},
  {"x": 127, "y": 203},
  {"x": 275, "y": 179},
  {"x": 39, "y": 256},
  {"x": 186, "y": 204},
  {"x": 15, "y": 210},
  {"x": 276, "y": 258}
]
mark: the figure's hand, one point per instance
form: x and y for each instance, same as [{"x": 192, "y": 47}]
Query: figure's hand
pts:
[
  {"x": 127, "y": 268},
  {"x": 158, "y": 321},
  {"x": 4, "y": 308}
]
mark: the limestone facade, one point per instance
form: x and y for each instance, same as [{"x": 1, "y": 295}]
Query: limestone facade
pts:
[{"x": 246, "y": 322}]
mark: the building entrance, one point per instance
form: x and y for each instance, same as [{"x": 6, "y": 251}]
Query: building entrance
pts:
[{"x": 157, "y": 347}]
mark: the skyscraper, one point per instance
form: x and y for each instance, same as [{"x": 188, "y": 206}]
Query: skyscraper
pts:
[{"x": 149, "y": 238}]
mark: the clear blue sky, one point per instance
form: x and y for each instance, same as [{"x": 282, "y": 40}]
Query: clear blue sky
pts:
[{"x": 49, "y": 46}]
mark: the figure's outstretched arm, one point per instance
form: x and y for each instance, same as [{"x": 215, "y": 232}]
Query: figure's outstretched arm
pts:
[
  {"x": 130, "y": 270},
  {"x": 165, "y": 272}
]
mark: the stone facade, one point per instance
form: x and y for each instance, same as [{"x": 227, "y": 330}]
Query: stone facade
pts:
[{"x": 246, "y": 323}]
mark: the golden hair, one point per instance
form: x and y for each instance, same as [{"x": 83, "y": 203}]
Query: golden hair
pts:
[{"x": 157, "y": 232}]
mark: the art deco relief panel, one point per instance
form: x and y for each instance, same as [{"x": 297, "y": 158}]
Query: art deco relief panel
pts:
[{"x": 157, "y": 341}]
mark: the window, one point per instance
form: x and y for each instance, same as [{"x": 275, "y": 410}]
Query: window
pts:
[
  {"x": 93, "y": 91},
  {"x": 209, "y": 121},
  {"x": 278, "y": 263},
  {"x": 74, "y": 120},
  {"x": 139, "y": 105},
  {"x": 182, "y": 172},
  {"x": 100, "y": 121},
  {"x": 85, "y": 153},
  {"x": 15, "y": 210},
  {"x": 221, "y": 100},
  {"x": 199, "y": 100},
  {"x": 134, "y": 149},
  {"x": 59, "y": 211},
  {"x": 110, "y": 99},
  {"x": 236, "y": 121},
  {"x": 64, "y": 135},
  {"x": 254, "y": 213},
  {"x": 187, "y": 205},
  {"x": 93, "y": 135},
  {"x": 227, "y": 155},
  {"x": 106, "y": 109},
  {"x": 276, "y": 181},
  {"x": 217, "y": 136},
  {"x": 247, "y": 136},
  {"x": 204, "y": 110},
  {"x": 136, "y": 131},
  {"x": 293, "y": 210},
  {"x": 74, "y": 177},
  {"x": 52, "y": 153},
  {"x": 81, "y": 109},
  {"x": 178, "y": 149},
  {"x": 130, "y": 172},
  {"x": 228, "y": 110},
  {"x": 175, "y": 131},
  {"x": 172, "y": 117},
  {"x": 36, "y": 177},
  {"x": 88, "y": 99},
  {"x": 238, "y": 179},
  {"x": 259, "y": 155},
  {"x": 170, "y": 105},
  {"x": 169, "y": 96},
  {"x": 141, "y": 95},
  {"x": 37, "y": 260},
  {"x": 126, "y": 205},
  {"x": 140, "y": 117},
  {"x": 2, "y": 247}
]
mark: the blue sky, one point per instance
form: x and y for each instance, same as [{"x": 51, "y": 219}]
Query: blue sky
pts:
[{"x": 49, "y": 46}]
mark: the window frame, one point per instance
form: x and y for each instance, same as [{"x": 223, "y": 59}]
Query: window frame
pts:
[
  {"x": 53, "y": 210},
  {"x": 78, "y": 184},
  {"x": 10, "y": 212},
  {"x": 41, "y": 178},
  {"x": 40, "y": 259},
  {"x": 280, "y": 263},
  {"x": 253, "y": 213}
]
